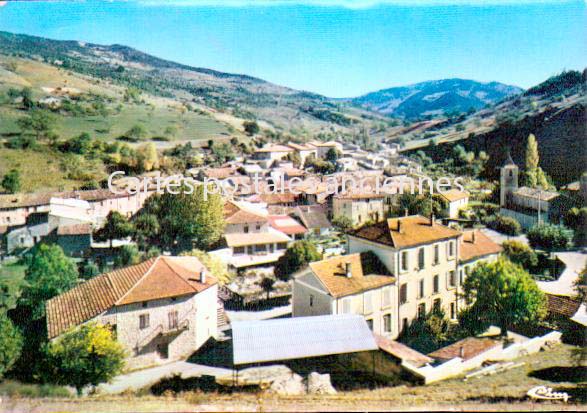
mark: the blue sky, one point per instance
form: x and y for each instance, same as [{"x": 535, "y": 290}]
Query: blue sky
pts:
[{"x": 338, "y": 48}]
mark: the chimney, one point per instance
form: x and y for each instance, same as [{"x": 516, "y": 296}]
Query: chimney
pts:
[
  {"x": 432, "y": 220},
  {"x": 473, "y": 237},
  {"x": 462, "y": 352},
  {"x": 399, "y": 226},
  {"x": 348, "y": 271},
  {"x": 406, "y": 212},
  {"x": 203, "y": 276}
]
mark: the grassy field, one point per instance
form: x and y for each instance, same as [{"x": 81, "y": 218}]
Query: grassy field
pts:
[
  {"x": 504, "y": 391},
  {"x": 156, "y": 114},
  {"x": 41, "y": 169}
]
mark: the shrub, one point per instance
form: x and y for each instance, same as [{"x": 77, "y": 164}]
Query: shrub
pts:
[
  {"x": 505, "y": 225},
  {"x": 520, "y": 253},
  {"x": 550, "y": 237}
]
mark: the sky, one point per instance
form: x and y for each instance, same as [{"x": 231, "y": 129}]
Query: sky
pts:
[{"x": 338, "y": 48}]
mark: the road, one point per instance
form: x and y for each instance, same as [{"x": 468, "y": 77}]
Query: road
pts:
[{"x": 574, "y": 264}]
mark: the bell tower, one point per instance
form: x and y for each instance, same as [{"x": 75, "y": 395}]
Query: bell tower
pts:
[{"x": 508, "y": 181}]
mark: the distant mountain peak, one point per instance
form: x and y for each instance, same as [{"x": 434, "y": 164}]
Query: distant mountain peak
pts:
[{"x": 436, "y": 97}]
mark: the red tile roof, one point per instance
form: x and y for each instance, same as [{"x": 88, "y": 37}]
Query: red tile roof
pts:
[
  {"x": 234, "y": 214},
  {"x": 405, "y": 232},
  {"x": 78, "y": 229},
  {"x": 157, "y": 278},
  {"x": 466, "y": 348},
  {"x": 286, "y": 224},
  {"x": 401, "y": 351},
  {"x": 475, "y": 244}
]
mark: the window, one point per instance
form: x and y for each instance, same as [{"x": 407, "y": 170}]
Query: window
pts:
[
  {"x": 404, "y": 261},
  {"x": 386, "y": 297},
  {"x": 370, "y": 324},
  {"x": 238, "y": 250},
  {"x": 421, "y": 310},
  {"x": 173, "y": 319},
  {"x": 282, "y": 245},
  {"x": 421, "y": 288},
  {"x": 436, "y": 254},
  {"x": 404, "y": 324},
  {"x": 368, "y": 302},
  {"x": 403, "y": 294},
  {"x": 144, "y": 321},
  {"x": 452, "y": 311},
  {"x": 435, "y": 284},
  {"x": 346, "y": 305},
  {"x": 144, "y": 304},
  {"x": 452, "y": 279},
  {"x": 460, "y": 277},
  {"x": 387, "y": 323},
  {"x": 421, "y": 258},
  {"x": 311, "y": 300},
  {"x": 437, "y": 304},
  {"x": 246, "y": 229},
  {"x": 258, "y": 227},
  {"x": 451, "y": 248}
]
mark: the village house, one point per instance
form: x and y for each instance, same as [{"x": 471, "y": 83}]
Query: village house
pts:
[
  {"x": 272, "y": 153},
  {"x": 14, "y": 209},
  {"x": 360, "y": 208},
  {"x": 304, "y": 150},
  {"x": 249, "y": 238},
  {"x": 322, "y": 148},
  {"x": 161, "y": 310},
  {"x": 455, "y": 201},
  {"x": 424, "y": 265},
  {"x": 59, "y": 218}
]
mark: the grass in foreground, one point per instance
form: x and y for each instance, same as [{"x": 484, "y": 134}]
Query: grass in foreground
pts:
[{"x": 505, "y": 391}]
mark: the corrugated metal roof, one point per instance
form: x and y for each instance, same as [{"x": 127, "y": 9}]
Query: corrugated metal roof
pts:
[{"x": 301, "y": 337}]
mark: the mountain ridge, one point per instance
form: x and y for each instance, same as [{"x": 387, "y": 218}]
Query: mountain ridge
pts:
[{"x": 435, "y": 97}]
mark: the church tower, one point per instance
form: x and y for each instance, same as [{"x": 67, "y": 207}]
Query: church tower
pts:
[{"x": 508, "y": 181}]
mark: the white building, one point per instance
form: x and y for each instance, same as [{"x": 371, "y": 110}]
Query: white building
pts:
[{"x": 397, "y": 270}]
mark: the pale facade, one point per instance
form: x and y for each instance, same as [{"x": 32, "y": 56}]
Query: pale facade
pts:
[
  {"x": 428, "y": 263},
  {"x": 360, "y": 210}
]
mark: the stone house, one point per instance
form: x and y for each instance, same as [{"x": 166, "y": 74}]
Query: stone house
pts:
[
  {"x": 360, "y": 208},
  {"x": 161, "y": 310}
]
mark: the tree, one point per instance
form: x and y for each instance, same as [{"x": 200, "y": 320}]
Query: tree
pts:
[
  {"x": 11, "y": 181},
  {"x": 80, "y": 144},
  {"x": 550, "y": 237},
  {"x": 332, "y": 155},
  {"x": 503, "y": 293},
  {"x": 116, "y": 227},
  {"x": 424, "y": 205},
  {"x": 187, "y": 220},
  {"x": 535, "y": 176},
  {"x": 215, "y": 265},
  {"x": 576, "y": 219},
  {"x": 49, "y": 273},
  {"x": 428, "y": 333},
  {"x": 297, "y": 256},
  {"x": 267, "y": 285},
  {"x": 147, "y": 156},
  {"x": 27, "y": 98},
  {"x": 251, "y": 127},
  {"x": 127, "y": 255},
  {"x": 343, "y": 223},
  {"x": 39, "y": 122},
  {"x": 89, "y": 270},
  {"x": 137, "y": 132},
  {"x": 295, "y": 158},
  {"x": 87, "y": 355},
  {"x": 520, "y": 253},
  {"x": 505, "y": 225},
  {"x": 10, "y": 343},
  {"x": 146, "y": 228}
]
